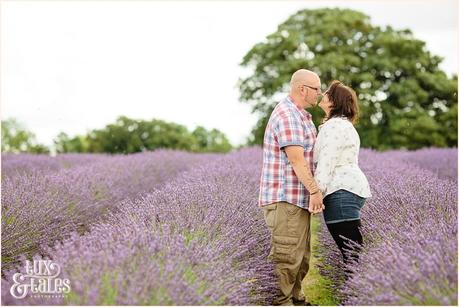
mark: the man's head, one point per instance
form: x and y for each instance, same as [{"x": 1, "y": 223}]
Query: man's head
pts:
[{"x": 305, "y": 88}]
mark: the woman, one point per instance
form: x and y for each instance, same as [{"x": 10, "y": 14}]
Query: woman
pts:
[{"x": 337, "y": 173}]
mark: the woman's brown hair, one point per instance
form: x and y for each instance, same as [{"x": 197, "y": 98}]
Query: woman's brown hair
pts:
[{"x": 343, "y": 101}]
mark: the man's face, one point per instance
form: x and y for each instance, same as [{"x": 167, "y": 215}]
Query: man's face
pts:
[{"x": 311, "y": 92}]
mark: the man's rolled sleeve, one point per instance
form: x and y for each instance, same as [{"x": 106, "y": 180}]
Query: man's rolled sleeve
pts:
[{"x": 289, "y": 131}]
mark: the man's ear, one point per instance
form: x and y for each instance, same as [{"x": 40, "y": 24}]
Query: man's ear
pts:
[
  {"x": 306, "y": 92},
  {"x": 302, "y": 88}
]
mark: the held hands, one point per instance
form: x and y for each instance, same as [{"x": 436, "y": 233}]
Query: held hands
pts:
[{"x": 316, "y": 203}]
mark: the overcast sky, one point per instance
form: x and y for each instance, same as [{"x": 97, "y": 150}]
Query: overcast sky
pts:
[{"x": 73, "y": 66}]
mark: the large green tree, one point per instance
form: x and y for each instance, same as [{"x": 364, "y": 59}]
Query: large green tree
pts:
[{"x": 406, "y": 101}]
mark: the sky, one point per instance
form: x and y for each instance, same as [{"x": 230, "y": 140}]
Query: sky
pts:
[{"x": 74, "y": 66}]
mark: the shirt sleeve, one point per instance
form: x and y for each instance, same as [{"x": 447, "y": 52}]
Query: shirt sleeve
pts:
[
  {"x": 289, "y": 131},
  {"x": 330, "y": 149}
]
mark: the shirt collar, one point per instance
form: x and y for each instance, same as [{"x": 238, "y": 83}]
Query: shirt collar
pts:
[
  {"x": 302, "y": 111},
  {"x": 333, "y": 119}
]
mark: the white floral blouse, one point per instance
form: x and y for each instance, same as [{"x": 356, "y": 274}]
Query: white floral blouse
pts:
[{"x": 336, "y": 153}]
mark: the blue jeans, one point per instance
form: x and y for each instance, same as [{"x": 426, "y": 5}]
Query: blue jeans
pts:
[{"x": 342, "y": 206}]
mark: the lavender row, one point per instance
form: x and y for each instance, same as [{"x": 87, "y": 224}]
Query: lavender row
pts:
[
  {"x": 38, "y": 209},
  {"x": 24, "y": 163},
  {"x": 441, "y": 161},
  {"x": 410, "y": 237},
  {"x": 201, "y": 240}
]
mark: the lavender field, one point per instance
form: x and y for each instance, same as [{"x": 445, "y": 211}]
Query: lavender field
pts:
[{"x": 175, "y": 228}]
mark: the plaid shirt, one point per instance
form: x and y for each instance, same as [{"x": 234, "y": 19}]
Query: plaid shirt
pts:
[{"x": 288, "y": 125}]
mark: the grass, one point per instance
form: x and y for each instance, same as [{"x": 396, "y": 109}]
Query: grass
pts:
[
  {"x": 108, "y": 291},
  {"x": 316, "y": 287}
]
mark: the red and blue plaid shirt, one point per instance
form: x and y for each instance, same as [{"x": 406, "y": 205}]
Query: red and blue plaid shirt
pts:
[{"x": 288, "y": 125}]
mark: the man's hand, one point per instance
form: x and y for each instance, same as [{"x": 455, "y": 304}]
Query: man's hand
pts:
[
  {"x": 295, "y": 155},
  {"x": 316, "y": 203}
]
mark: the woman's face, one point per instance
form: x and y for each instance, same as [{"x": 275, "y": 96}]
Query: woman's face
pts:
[{"x": 325, "y": 103}]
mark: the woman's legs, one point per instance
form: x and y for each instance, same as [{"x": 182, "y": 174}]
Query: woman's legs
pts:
[
  {"x": 350, "y": 230},
  {"x": 344, "y": 205}
]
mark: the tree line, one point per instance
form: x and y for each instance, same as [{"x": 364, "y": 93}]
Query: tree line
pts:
[{"x": 125, "y": 135}]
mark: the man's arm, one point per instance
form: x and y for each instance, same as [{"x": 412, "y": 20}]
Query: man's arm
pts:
[{"x": 295, "y": 155}]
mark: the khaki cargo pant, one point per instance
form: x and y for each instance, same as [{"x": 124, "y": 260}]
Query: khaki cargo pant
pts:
[{"x": 290, "y": 246}]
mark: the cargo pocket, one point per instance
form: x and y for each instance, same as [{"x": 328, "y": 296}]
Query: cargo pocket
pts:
[
  {"x": 293, "y": 219},
  {"x": 284, "y": 249},
  {"x": 293, "y": 209},
  {"x": 269, "y": 212}
]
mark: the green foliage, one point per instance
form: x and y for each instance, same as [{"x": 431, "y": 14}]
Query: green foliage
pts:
[
  {"x": 212, "y": 141},
  {"x": 64, "y": 143},
  {"x": 406, "y": 101},
  {"x": 16, "y": 138},
  {"x": 128, "y": 135},
  {"x": 108, "y": 291}
]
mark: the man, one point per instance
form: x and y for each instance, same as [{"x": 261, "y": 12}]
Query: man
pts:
[{"x": 288, "y": 191}]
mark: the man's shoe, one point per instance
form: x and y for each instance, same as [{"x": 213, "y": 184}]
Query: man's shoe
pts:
[
  {"x": 299, "y": 299},
  {"x": 287, "y": 303}
]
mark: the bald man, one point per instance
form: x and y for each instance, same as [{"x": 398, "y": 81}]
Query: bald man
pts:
[{"x": 288, "y": 191}]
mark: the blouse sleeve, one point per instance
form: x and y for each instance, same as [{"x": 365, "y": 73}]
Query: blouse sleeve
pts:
[{"x": 330, "y": 149}]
